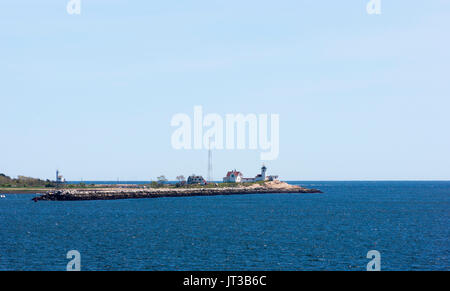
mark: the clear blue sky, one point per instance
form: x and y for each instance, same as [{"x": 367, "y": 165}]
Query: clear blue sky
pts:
[{"x": 359, "y": 96}]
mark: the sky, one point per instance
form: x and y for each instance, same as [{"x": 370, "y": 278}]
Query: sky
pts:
[{"x": 360, "y": 97}]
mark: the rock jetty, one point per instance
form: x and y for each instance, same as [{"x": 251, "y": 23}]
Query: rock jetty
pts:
[{"x": 130, "y": 193}]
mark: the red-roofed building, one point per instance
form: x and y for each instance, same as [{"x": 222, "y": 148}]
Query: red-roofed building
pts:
[
  {"x": 237, "y": 177},
  {"x": 233, "y": 177}
]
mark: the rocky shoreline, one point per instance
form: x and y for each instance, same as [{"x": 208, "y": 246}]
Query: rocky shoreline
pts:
[{"x": 120, "y": 193}]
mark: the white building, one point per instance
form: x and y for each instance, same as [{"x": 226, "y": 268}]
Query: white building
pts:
[
  {"x": 59, "y": 178},
  {"x": 237, "y": 177},
  {"x": 233, "y": 177},
  {"x": 192, "y": 180}
]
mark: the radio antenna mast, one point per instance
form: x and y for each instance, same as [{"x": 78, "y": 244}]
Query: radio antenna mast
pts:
[{"x": 210, "y": 162}]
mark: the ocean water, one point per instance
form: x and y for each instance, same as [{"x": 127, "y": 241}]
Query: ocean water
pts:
[{"x": 407, "y": 222}]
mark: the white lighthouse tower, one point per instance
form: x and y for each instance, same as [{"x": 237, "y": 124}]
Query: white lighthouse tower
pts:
[
  {"x": 59, "y": 178},
  {"x": 263, "y": 172}
]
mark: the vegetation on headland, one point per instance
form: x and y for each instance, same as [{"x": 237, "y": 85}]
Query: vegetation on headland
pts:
[
  {"x": 221, "y": 185},
  {"x": 23, "y": 184},
  {"x": 180, "y": 185}
]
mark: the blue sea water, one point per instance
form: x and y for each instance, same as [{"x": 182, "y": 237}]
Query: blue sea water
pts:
[{"x": 407, "y": 222}]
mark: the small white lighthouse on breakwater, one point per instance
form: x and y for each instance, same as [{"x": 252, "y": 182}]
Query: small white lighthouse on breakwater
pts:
[{"x": 59, "y": 178}]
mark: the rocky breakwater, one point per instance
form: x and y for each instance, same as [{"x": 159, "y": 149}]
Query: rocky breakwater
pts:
[{"x": 130, "y": 193}]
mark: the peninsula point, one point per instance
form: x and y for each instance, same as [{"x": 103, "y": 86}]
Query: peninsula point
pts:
[{"x": 114, "y": 193}]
